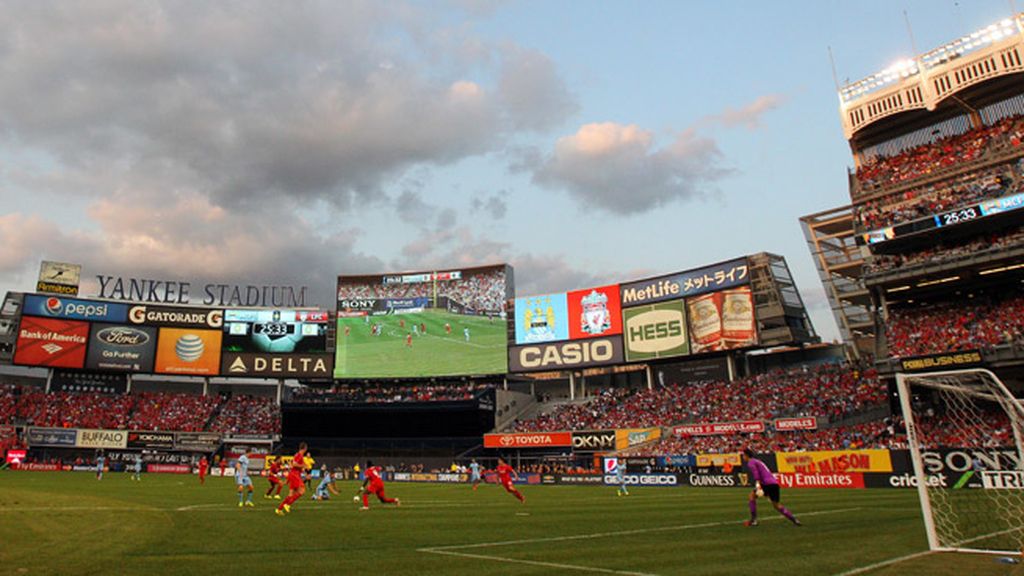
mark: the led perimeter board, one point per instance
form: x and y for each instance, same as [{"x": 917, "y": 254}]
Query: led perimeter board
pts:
[{"x": 420, "y": 324}]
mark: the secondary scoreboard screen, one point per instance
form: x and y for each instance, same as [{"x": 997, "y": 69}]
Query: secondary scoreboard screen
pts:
[
  {"x": 275, "y": 331},
  {"x": 419, "y": 324}
]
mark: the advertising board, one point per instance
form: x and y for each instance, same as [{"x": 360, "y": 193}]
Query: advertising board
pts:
[
  {"x": 74, "y": 309},
  {"x": 51, "y": 342},
  {"x": 277, "y": 365},
  {"x": 684, "y": 284},
  {"x": 655, "y": 331},
  {"x": 566, "y": 355},
  {"x": 115, "y": 347},
  {"x": 528, "y": 440},
  {"x": 188, "y": 351},
  {"x": 423, "y": 324}
]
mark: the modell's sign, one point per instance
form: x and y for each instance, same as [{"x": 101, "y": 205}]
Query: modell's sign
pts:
[
  {"x": 529, "y": 440},
  {"x": 294, "y": 365},
  {"x": 809, "y": 423},
  {"x": 719, "y": 428},
  {"x": 565, "y": 355}
]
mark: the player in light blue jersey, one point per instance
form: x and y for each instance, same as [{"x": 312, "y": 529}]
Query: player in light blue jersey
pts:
[
  {"x": 100, "y": 462},
  {"x": 620, "y": 478},
  {"x": 474, "y": 474},
  {"x": 137, "y": 468},
  {"x": 465, "y": 332},
  {"x": 243, "y": 481},
  {"x": 326, "y": 486}
]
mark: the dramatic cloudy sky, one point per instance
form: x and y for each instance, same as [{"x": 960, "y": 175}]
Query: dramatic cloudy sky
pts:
[{"x": 583, "y": 142}]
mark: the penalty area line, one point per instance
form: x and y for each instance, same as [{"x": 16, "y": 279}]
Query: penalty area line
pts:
[
  {"x": 884, "y": 563},
  {"x": 453, "y": 550}
]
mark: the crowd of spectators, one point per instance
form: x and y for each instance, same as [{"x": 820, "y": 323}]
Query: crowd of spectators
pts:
[
  {"x": 960, "y": 191},
  {"x": 946, "y": 251},
  {"x": 169, "y": 411},
  {"x": 907, "y": 165},
  {"x": 243, "y": 414},
  {"x": 31, "y": 406},
  {"x": 982, "y": 322},
  {"x": 477, "y": 290},
  {"x": 383, "y": 393},
  {"x": 828, "y": 392}
]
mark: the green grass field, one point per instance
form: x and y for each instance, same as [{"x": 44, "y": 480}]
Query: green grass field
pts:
[
  {"x": 437, "y": 353},
  {"x": 70, "y": 523}
]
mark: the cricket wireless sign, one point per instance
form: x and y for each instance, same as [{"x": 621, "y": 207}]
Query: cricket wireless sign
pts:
[{"x": 565, "y": 355}]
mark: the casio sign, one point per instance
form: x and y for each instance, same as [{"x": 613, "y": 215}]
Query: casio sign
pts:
[{"x": 584, "y": 352}]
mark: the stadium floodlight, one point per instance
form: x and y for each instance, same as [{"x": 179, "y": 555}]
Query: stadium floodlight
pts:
[{"x": 982, "y": 508}]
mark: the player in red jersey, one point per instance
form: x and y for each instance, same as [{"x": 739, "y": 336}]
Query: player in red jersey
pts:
[
  {"x": 202, "y": 469},
  {"x": 507, "y": 474},
  {"x": 274, "y": 477},
  {"x": 374, "y": 484},
  {"x": 296, "y": 487}
]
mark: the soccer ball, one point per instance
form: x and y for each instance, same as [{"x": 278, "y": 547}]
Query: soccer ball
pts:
[
  {"x": 760, "y": 493},
  {"x": 356, "y": 499}
]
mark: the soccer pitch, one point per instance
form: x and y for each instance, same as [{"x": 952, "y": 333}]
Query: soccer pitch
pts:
[
  {"x": 438, "y": 352},
  {"x": 70, "y": 523}
]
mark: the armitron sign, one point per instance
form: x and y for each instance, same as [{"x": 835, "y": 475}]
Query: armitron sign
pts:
[{"x": 528, "y": 440}]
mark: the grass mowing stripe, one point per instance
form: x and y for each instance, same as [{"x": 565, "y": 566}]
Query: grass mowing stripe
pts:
[
  {"x": 539, "y": 563},
  {"x": 884, "y": 563}
]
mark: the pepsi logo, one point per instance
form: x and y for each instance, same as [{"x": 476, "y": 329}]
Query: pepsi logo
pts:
[{"x": 53, "y": 305}]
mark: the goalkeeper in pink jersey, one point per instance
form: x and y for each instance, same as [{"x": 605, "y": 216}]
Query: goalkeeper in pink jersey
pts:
[{"x": 765, "y": 484}]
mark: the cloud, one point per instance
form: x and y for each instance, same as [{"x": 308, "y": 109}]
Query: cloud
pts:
[
  {"x": 493, "y": 205},
  {"x": 191, "y": 239},
  {"x": 749, "y": 116},
  {"x": 619, "y": 169},
  {"x": 314, "y": 101}
]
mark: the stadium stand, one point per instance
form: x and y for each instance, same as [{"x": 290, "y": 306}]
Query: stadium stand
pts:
[
  {"x": 244, "y": 414},
  {"x": 880, "y": 171},
  {"x": 983, "y": 322},
  {"x": 829, "y": 392},
  {"x": 947, "y": 251},
  {"x": 381, "y": 393}
]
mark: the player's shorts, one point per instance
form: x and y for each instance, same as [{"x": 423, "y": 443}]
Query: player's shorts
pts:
[
  {"x": 771, "y": 491},
  {"x": 375, "y": 488},
  {"x": 508, "y": 486},
  {"x": 295, "y": 481},
  {"x": 274, "y": 479},
  {"x": 475, "y": 478},
  {"x": 243, "y": 480}
]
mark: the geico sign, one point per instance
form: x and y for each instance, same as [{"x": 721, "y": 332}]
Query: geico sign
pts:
[
  {"x": 655, "y": 331},
  {"x": 643, "y": 479},
  {"x": 567, "y": 354}
]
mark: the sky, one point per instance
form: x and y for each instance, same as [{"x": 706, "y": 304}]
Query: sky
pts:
[{"x": 582, "y": 142}]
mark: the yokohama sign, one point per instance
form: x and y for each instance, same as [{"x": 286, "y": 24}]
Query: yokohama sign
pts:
[
  {"x": 719, "y": 428},
  {"x": 529, "y": 440}
]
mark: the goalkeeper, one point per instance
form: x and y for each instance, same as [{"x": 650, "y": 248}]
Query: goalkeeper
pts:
[{"x": 765, "y": 484}]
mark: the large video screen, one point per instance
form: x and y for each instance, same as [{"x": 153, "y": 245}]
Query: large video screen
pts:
[
  {"x": 275, "y": 331},
  {"x": 435, "y": 323}
]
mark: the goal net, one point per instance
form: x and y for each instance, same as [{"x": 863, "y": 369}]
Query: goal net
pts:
[{"x": 982, "y": 508}]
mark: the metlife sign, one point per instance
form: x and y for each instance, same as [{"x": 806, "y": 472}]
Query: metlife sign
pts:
[{"x": 74, "y": 309}]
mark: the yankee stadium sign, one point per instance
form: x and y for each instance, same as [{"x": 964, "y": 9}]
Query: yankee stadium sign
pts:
[{"x": 175, "y": 292}]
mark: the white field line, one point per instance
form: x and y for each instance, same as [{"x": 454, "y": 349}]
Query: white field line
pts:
[
  {"x": 451, "y": 550},
  {"x": 884, "y": 563}
]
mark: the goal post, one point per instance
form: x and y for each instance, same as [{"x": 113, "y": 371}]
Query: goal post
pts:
[{"x": 983, "y": 509}]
